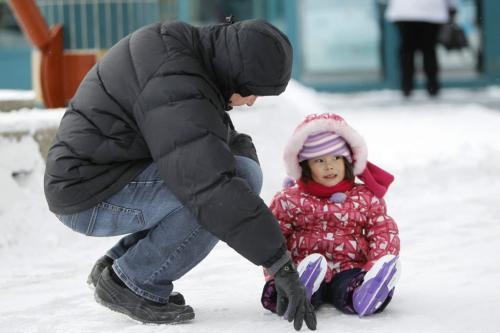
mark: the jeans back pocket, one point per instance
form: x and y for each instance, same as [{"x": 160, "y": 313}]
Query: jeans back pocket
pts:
[{"x": 112, "y": 220}]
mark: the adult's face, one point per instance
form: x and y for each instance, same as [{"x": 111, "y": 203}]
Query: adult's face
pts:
[{"x": 238, "y": 100}]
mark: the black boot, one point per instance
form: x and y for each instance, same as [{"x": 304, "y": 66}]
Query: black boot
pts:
[
  {"x": 117, "y": 297},
  {"x": 96, "y": 271},
  {"x": 105, "y": 261},
  {"x": 433, "y": 88}
]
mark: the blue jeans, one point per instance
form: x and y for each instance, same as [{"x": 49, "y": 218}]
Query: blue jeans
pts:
[{"x": 164, "y": 242}]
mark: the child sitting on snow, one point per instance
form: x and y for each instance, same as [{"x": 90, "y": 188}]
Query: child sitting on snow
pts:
[{"x": 345, "y": 245}]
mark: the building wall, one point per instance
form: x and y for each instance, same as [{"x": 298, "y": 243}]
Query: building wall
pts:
[
  {"x": 338, "y": 45},
  {"x": 15, "y": 61}
]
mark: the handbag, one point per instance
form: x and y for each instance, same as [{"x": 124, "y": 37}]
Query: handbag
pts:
[{"x": 452, "y": 37}]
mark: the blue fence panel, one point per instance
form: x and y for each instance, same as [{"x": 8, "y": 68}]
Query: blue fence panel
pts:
[
  {"x": 15, "y": 68},
  {"x": 98, "y": 24}
]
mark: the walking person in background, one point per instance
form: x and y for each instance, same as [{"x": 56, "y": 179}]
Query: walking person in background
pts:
[
  {"x": 418, "y": 22},
  {"x": 147, "y": 150}
]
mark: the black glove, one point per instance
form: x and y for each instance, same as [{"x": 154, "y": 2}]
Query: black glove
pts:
[
  {"x": 241, "y": 144},
  {"x": 292, "y": 295}
]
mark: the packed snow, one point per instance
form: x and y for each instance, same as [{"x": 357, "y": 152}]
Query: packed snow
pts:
[{"x": 444, "y": 153}]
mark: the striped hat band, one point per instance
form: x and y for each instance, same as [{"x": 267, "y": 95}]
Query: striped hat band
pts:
[{"x": 325, "y": 143}]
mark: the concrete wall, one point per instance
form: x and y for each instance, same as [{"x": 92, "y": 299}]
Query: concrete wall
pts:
[{"x": 43, "y": 137}]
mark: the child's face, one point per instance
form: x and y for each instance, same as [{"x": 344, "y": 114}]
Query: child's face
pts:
[{"x": 327, "y": 170}]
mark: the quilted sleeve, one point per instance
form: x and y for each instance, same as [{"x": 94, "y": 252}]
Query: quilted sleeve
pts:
[
  {"x": 280, "y": 208},
  {"x": 186, "y": 139},
  {"x": 381, "y": 232}
]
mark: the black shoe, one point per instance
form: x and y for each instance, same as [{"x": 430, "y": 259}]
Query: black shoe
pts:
[
  {"x": 105, "y": 261},
  {"x": 119, "y": 298},
  {"x": 96, "y": 271},
  {"x": 433, "y": 89}
]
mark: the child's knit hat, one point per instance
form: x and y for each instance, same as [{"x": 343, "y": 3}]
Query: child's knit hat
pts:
[
  {"x": 324, "y": 143},
  {"x": 328, "y": 133}
]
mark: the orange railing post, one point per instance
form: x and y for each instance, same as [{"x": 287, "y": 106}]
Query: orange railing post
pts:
[
  {"x": 50, "y": 44},
  {"x": 31, "y": 21}
]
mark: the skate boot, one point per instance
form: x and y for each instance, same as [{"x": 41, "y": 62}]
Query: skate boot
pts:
[
  {"x": 378, "y": 284},
  {"x": 312, "y": 270}
]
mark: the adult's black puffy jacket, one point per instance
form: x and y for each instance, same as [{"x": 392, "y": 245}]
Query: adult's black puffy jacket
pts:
[{"x": 161, "y": 94}]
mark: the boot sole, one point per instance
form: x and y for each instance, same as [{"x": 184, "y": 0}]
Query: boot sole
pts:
[
  {"x": 386, "y": 279},
  {"x": 312, "y": 271},
  {"x": 180, "y": 318}
]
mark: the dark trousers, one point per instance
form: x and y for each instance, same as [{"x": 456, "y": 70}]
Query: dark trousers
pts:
[{"x": 418, "y": 36}]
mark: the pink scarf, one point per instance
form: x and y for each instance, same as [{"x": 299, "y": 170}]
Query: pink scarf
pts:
[{"x": 323, "y": 191}]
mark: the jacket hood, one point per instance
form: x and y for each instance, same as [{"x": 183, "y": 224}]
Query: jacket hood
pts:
[
  {"x": 318, "y": 123},
  {"x": 250, "y": 57}
]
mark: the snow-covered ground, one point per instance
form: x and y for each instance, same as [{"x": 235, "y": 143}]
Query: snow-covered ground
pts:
[{"x": 444, "y": 153}]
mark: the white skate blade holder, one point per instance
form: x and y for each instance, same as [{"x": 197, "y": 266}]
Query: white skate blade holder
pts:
[
  {"x": 313, "y": 262},
  {"x": 388, "y": 279},
  {"x": 379, "y": 265}
]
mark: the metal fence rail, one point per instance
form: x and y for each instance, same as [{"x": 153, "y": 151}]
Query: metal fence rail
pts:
[{"x": 98, "y": 24}]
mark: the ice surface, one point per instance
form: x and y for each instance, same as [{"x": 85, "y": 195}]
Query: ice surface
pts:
[{"x": 445, "y": 155}]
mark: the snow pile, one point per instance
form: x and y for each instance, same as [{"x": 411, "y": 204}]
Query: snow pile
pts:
[
  {"x": 21, "y": 175},
  {"x": 16, "y": 95},
  {"x": 29, "y": 120},
  {"x": 444, "y": 153}
]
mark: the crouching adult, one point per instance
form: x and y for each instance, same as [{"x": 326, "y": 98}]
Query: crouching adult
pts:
[{"x": 146, "y": 149}]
